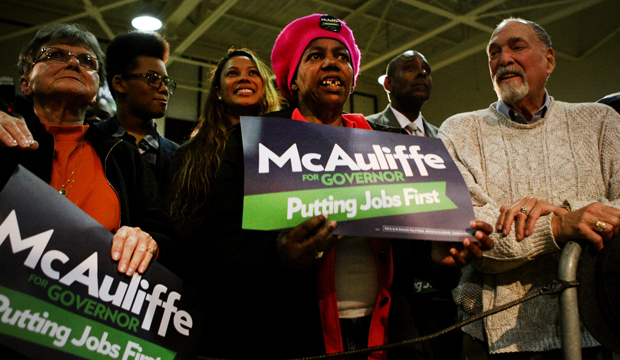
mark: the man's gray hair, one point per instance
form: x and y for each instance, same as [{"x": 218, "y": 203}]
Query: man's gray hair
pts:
[{"x": 539, "y": 30}]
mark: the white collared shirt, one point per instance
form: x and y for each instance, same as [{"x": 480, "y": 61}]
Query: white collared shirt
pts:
[{"x": 404, "y": 121}]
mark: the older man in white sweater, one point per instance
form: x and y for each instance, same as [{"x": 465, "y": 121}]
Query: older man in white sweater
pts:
[{"x": 544, "y": 172}]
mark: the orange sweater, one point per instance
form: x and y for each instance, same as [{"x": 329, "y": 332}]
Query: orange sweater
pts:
[{"x": 78, "y": 170}]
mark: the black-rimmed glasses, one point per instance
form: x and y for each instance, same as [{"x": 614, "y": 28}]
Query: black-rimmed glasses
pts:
[
  {"x": 155, "y": 80},
  {"x": 61, "y": 55}
]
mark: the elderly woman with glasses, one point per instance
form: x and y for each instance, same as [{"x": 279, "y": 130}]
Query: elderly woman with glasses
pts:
[
  {"x": 61, "y": 70},
  {"x": 307, "y": 292}
]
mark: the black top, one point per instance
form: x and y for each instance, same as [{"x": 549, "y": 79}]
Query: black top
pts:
[{"x": 156, "y": 149}]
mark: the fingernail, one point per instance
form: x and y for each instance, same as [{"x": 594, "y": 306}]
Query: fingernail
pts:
[
  {"x": 116, "y": 255},
  {"x": 466, "y": 242},
  {"x": 332, "y": 224},
  {"x": 472, "y": 223},
  {"x": 141, "y": 269},
  {"x": 25, "y": 143},
  {"x": 14, "y": 143},
  {"x": 123, "y": 268},
  {"x": 129, "y": 272},
  {"x": 31, "y": 141}
]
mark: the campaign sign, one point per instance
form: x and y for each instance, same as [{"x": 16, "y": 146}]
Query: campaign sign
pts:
[
  {"x": 61, "y": 296},
  {"x": 372, "y": 183}
]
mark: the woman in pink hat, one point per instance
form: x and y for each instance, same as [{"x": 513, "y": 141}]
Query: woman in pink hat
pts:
[{"x": 308, "y": 292}]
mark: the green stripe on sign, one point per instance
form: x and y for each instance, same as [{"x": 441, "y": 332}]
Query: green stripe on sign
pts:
[
  {"x": 288, "y": 209},
  {"x": 37, "y": 321},
  {"x": 423, "y": 287}
]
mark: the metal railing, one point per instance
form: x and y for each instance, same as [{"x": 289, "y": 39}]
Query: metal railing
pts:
[{"x": 569, "y": 311}]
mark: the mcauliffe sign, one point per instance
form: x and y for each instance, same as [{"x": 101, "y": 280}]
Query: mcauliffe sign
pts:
[
  {"x": 372, "y": 183},
  {"x": 61, "y": 295}
]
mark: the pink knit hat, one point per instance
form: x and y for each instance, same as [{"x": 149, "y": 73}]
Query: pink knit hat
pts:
[{"x": 295, "y": 37}]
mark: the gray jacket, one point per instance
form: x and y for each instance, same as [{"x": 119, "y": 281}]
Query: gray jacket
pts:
[{"x": 388, "y": 118}]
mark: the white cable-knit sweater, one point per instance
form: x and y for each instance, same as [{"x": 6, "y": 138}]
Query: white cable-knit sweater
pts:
[{"x": 572, "y": 154}]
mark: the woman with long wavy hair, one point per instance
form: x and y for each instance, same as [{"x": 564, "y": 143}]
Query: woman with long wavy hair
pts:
[{"x": 239, "y": 86}]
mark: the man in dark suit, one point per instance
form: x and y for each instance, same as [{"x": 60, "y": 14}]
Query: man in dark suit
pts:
[
  {"x": 408, "y": 83},
  {"x": 139, "y": 82}
]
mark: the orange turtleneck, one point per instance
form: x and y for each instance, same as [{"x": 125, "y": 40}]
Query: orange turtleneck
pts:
[{"x": 77, "y": 169}]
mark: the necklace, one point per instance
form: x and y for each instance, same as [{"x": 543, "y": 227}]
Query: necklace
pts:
[{"x": 62, "y": 190}]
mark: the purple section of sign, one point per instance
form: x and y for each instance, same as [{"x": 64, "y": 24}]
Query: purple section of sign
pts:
[{"x": 299, "y": 159}]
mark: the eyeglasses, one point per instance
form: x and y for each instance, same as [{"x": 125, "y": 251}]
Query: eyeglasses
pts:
[
  {"x": 155, "y": 80},
  {"x": 61, "y": 55}
]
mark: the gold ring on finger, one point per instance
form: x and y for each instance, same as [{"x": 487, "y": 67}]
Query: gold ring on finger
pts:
[
  {"x": 600, "y": 226},
  {"x": 153, "y": 251},
  {"x": 318, "y": 254},
  {"x": 525, "y": 211}
]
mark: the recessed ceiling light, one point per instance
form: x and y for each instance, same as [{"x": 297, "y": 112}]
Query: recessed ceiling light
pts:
[{"x": 147, "y": 23}]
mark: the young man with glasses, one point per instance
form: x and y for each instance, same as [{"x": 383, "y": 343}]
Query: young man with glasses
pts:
[{"x": 139, "y": 82}]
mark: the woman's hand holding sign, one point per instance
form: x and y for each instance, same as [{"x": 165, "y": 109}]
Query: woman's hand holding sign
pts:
[
  {"x": 446, "y": 254},
  {"x": 134, "y": 249},
  {"x": 305, "y": 243}
]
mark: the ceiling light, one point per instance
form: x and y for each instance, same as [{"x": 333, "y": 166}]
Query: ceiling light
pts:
[
  {"x": 147, "y": 23},
  {"x": 381, "y": 79}
]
